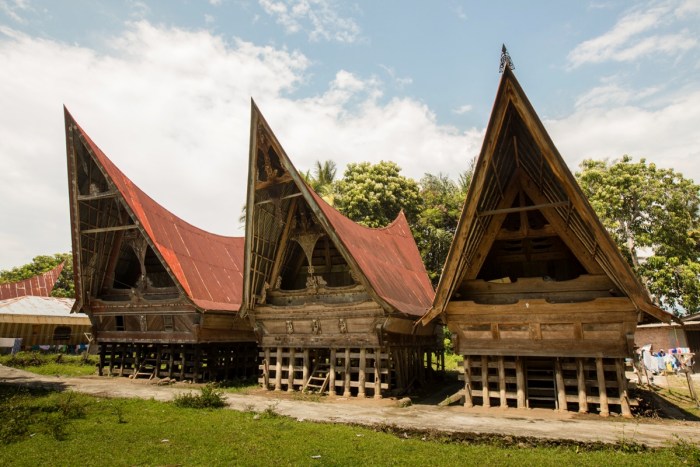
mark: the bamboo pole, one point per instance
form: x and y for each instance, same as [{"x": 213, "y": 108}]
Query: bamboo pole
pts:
[
  {"x": 581, "y": 378},
  {"x": 602, "y": 392}
]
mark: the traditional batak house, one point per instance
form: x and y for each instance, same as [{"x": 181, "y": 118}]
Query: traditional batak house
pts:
[
  {"x": 538, "y": 298},
  {"x": 163, "y": 296},
  {"x": 40, "y": 285},
  {"x": 333, "y": 303}
]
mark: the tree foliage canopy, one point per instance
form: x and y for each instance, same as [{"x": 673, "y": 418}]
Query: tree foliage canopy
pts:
[
  {"x": 374, "y": 194},
  {"x": 65, "y": 287},
  {"x": 651, "y": 212}
]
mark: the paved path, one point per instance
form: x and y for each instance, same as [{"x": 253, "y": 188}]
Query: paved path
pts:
[{"x": 536, "y": 423}]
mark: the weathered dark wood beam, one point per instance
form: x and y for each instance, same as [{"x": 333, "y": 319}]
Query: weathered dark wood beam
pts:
[
  {"x": 109, "y": 229},
  {"x": 96, "y": 196},
  {"x": 281, "y": 199},
  {"x": 523, "y": 208}
]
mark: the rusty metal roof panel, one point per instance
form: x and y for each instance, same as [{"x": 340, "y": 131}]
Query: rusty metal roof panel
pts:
[
  {"x": 195, "y": 257},
  {"x": 388, "y": 257},
  {"x": 40, "y": 285}
]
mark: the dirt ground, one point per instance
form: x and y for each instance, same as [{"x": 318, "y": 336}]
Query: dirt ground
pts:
[{"x": 543, "y": 424}]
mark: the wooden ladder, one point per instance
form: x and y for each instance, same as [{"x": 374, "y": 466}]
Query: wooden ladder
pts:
[
  {"x": 318, "y": 380},
  {"x": 147, "y": 368}
]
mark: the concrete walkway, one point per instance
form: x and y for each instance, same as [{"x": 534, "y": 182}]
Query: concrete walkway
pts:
[{"x": 536, "y": 423}]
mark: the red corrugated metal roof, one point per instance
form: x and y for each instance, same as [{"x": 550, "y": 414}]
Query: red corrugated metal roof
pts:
[
  {"x": 39, "y": 286},
  {"x": 388, "y": 257},
  {"x": 207, "y": 266}
]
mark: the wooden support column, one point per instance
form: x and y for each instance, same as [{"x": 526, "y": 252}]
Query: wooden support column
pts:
[
  {"x": 377, "y": 373},
  {"x": 159, "y": 357},
  {"x": 485, "y": 381},
  {"x": 195, "y": 369},
  {"x": 266, "y": 369},
  {"x": 306, "y": 368},
  {"x": 346, "y": 391},
  {"x": 278, "y": 370},
  {"x": 467, "y": 382},
  {"x": 171, "y": 362},
  {"x": 290, "y": 371},
  {"x": 502, "y": 383},
  {"x": 111, "y": 359},
  {"x": 419, "y": 357},
  {"x": 363, "y": 376},
  {"x": 581, "y": 377},
  {"x": 561, "y": 388},
  {"x": 331, "y": 374},
  {"x": 102, "y": 360},
  {"x": 622, "y": 388},
  {"x": 520, "y": 382},
  {"x": 429, "y": 362},
  {"x": 183, "y": 358},
  {"x": 602, "y": 392}
]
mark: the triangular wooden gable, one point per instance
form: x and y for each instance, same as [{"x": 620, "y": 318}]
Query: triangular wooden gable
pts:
[
  {"x": 285, "y": 227},
  {"x": 526, "y": 216},
  {"x": 119, "y": 231}
]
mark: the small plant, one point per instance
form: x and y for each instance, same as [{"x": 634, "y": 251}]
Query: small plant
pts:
[
  {"x": 55, "y": 424},
  {"x": 270, "y": 411},
  {"x": 209, "y": 398},
  {"x": 688, "y": 453}
]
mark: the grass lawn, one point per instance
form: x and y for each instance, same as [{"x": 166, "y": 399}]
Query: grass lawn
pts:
[
  {"x": 49, "y": 428},
  {"x": 52, "y": 364}
]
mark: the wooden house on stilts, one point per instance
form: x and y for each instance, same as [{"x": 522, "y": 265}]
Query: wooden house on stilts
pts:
[
  {"x": 333, "y": 303},
  {"x": 163, "y": 296},
  {"x": 537, "y": 296}
]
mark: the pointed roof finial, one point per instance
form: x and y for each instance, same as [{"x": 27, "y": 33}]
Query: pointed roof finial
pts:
[{"x": 505, "y": 60}]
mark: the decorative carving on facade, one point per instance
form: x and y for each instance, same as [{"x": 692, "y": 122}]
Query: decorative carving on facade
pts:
[
  {"x": 263, "y": 294},
  {"x": 316, "y": 326},
  {"x": 290, "y": 327},
  {"x": 342, "y": 326},
  {"x": 278, "y": 283},
  {"x": 143, "y": 324}
]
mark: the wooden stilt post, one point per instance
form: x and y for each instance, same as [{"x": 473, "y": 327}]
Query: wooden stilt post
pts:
[
  {"x": 485, "y": 381},
  {"x": 502, "y": 382},
  {"x": 581, "y": 377},
  {"x": 102, "y": 360},
  {"x": 171, "y": 361},
  {"x": 290, "y": 371},
  {"x": 195, "y": 369},
  {"x": 377, "y": 373},
  {"x": 622, "y": 388},
  {"x": 602, "y": 392},
  {"x": 278, "y": 370},
  {"x": 561, "y": 388},
  {"x": 468, "y": 402},
  {"x": 362, "y": 377},
  {"x": 331, "y": 374},
  {"x": 429, "y": 363},
  {"x": 420, "y": 359},
  {"x": 266, "y": 369},
  {"x": 183, "y": 358},
  {"x": 306, "y": 368},
  {"x": 111, "y": 359},
  {"x": 520, "y": 382},
  {"x": 159, "y": 358},
  {"x": 346, "y": 391}
]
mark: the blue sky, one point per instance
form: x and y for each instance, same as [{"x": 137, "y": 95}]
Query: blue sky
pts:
[{"x": 164, "y": 89}]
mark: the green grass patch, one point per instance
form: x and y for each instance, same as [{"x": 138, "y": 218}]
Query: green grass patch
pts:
[
  {"x": 99, "y": 431},
  {"x": 208, "y": 398},
  {"x": 52, "y": 364}
]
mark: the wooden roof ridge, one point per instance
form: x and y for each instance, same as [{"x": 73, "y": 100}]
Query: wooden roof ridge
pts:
[
  {"x": 602, "y": 252},
  {"x": 39, "y": 285},
  {"x": 206, "y": 267},
  {"x": 385, "y": 260}
]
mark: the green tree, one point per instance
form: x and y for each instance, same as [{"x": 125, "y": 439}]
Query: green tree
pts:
[
  {"x": 322, "y": 179},
  {"x": 374, "y": 194},
  {"x": 437, "y": 221},
  {"x": 64, "y": 286},
  {"x": 650, "y": 211}
]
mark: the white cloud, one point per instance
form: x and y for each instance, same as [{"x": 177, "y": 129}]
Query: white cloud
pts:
[
  {"x": 209, "y": 19},
  {"x": 665, "y": 135},
  {"x": 215, "y": 2},
  {"x": 636, "y": 34},
  {"x": 15, "y": 9},
  {"x": 318, "y": 18},
  {"x": 171, "y": 107},
  {"x": 462, "y": 109}
]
